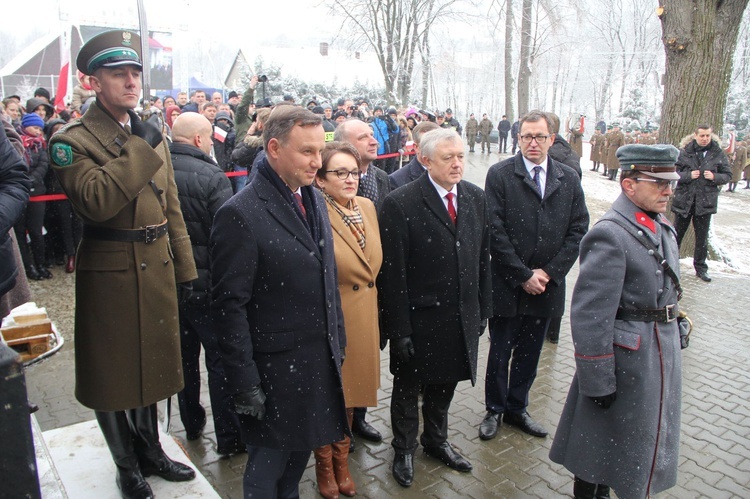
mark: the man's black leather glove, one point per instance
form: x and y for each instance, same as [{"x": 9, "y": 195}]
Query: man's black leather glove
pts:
[
  {"x": 184, "y": 291},
  {"x": 149, "y": 130},
  {"x": 342, "y": 352},
  {"x": 251, "y": 402},
  {"x": 482, "y": 326},
  {"x": 605, "y": 401},
  {"x": 403, "y": 348}
]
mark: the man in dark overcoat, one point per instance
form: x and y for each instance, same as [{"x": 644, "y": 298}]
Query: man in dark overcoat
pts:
[
  {"x": 202, "y": 189},
  {"x": 276, "y": 308},
  {"x": 413, "y": 169},
  {"x": 703, "y": 169},
  {"x": 435, "y": 292},
  {"x": 538, "y": 216},
  {"x": 117, "y": 173},
  {"x": 620, "y": 426}
]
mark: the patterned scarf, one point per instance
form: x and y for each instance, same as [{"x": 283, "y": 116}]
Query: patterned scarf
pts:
[{"x": 351, "y": 216}]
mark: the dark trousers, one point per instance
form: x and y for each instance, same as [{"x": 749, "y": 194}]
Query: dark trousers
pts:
[
  {"x": 515, "y": 347},
  {"x": 701, "y": 223},
  {"x": 32, "y": 222},
  {"x": 64, "y": 229},
  {"x": 436, "y": 400},
  {"x": 272, "y": 473},
  {"x": 502, "y": 142},
  {"x": 196, "y": 330},
  {"x": 130, "y": 435},
  {"x": 515, "y": 144}
]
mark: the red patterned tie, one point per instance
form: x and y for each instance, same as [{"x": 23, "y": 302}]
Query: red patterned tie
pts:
[
  {"x": 298, "y": 198},
  {"x": 451, "y": 208}
]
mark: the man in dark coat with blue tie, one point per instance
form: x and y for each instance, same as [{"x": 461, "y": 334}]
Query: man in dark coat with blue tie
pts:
[
  {"x": 538, "y": 217},
  {"x": 435, "y": 293},
  {"x": 276, "y": 308}
]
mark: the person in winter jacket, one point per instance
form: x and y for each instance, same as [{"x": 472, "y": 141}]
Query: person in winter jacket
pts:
[
  {"x": 14, "y": 194},
  {"x": 31, "y": 223},
  {"x": 703, "y": 168}
]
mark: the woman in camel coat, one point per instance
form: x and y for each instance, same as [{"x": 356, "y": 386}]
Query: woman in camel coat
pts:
[{"x": 356, "y": 244}]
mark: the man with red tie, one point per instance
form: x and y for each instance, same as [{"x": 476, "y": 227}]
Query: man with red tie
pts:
[{"x": 435, "y": 296}]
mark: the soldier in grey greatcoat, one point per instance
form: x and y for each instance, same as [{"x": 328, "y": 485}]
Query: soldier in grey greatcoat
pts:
[{"x": 620, "y": 425}]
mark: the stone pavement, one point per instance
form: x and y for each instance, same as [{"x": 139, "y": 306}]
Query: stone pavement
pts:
[{"x": 715, "y": 451}]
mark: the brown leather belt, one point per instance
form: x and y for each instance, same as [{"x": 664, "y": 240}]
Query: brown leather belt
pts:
[
  {"x": 147, "y": 234},
  {"x": 666, "y": 314}
]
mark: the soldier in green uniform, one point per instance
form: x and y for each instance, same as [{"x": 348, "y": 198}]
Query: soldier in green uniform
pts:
[
  {"x": 485, "y": 128},
  {"x": 595, "y": 155},
  {"x": 116, "y": 171},
  {"x": 616, "y": 140},
  {"x": 472, "y": 127}
]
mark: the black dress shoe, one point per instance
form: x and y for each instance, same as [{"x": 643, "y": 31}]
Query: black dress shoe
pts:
[
  {"x": 523, "y": 421},
  {"x": 196, "y": 434},
  {"x": 33, "y": 274},
  {"x": 44, "y": 272},
  {"x": 403, "y": 469},
  {"x": 703, "y": 276},
  {"x": 490, "y": 424},
  {"x": 553, "y": 337},
  {"x": 448, "y": 455},
  {"x": 232, "y": 449},
  {"x": 365, "y": 430},
  {"x": 132, "y": 485},
  {"x": 169, "y": 470}
]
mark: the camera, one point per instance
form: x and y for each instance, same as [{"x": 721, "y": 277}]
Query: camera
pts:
[
  {"x": 354, "y": 108},
  {"x": 262, "y": 78}
]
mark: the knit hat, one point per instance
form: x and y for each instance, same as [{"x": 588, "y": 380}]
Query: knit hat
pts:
[
  {"x": 32, "y": 119},
  {"x": 232, "y": 94},
  {"x": 655, "y": 161},
  {"x": 223, "y": 115}
]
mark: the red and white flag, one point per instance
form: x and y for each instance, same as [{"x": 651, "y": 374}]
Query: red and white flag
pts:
[
  {"x": 220, "y": 134},
  {"x": 61, "y": 96}
]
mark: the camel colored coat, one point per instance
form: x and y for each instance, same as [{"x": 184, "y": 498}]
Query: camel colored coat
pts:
[{"x": 357, "y": 270}]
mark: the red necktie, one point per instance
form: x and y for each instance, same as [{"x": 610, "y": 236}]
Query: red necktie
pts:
[
  {"x": 451, "y": 208},
  {"x": 298, "y": 198}
]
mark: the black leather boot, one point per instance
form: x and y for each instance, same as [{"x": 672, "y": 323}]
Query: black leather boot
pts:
[
  {"x": 151, "y": 457},
  {"x": 602, "y": 491},
  {"x": 116, "y": 430},
  {"x": 583, "y": 489}
]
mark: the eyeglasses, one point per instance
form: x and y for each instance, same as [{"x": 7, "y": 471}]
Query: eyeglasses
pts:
[
  {"x": 660, "y": 184},
  {"x": 343, "y": 174},
  {"x": 540, "y": 139}
]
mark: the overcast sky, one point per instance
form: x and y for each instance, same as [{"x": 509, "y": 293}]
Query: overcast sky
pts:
[{"x": 254, "y": 19}]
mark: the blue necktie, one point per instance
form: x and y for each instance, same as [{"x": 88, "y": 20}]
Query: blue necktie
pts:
[{"x": 537, "y": 180}]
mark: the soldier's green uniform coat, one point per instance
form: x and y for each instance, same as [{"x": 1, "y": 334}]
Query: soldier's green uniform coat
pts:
[{"x": 126, "y": 327}]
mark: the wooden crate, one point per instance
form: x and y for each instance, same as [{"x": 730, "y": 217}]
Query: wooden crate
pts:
[
  {"x": 27, "y": 330},
  {"x": 30, "y": 347}
]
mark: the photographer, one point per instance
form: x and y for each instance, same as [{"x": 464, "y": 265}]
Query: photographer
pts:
[{"x": 242, "y": 116}]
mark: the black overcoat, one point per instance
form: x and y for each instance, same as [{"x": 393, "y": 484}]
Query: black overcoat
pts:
[
  {"x": 434, "y": 284},
  {"x": 409, "y": 173},
  {"x": 277, "y": 315},
  {"x": 700, "y": 195},
  {"x": 529, "y": 232}
]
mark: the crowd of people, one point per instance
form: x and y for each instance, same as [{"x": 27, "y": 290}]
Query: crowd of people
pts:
[{"x": 320, "y": 252}]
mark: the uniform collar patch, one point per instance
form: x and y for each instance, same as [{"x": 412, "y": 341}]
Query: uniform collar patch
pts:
[{"x": 645, "y": 220}]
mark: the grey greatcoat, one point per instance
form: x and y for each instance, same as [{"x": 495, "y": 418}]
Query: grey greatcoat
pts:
[
  {"x": 127, "y": 335},
  {"x": 633, "y": 446}
]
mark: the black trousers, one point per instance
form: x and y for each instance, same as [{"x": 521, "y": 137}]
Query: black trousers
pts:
[
  {"x": 272, "y": 473},
  {"x": 701, "y": 223},
  {"x": 436, "y": 401},
  {"x": 502, "y": 142},
  {"x": 32, "y": 222},
  {"x": 196, "y": 329},
  {"x": 515, "y": 346}
]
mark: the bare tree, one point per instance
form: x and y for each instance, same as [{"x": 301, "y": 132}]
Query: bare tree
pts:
[
  {"x": 397, "y": 31},
  {"x": 509, "y": 89},
  {"x": 699, "y": 39},
  {"x": 524, "y": 62}
]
